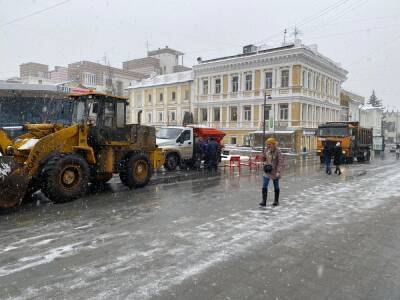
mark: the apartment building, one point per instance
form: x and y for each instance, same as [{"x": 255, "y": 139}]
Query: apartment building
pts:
[
  {"x": 302, "y": 86},
  {"x": 161, "y": 100},
  {"x": 102, "y": 78},
  {"x": 161, "y": 61}
]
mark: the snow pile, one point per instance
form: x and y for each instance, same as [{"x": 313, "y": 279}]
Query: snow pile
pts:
[{"x": 5, "y": 169}]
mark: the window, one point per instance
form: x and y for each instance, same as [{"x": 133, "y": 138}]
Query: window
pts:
[
  {"x": 249, "y": 82},
  {"x": 233, "y": 113},
  {"x": 247, "y": 113},
  {"x": 283, "y": 111},
  {"x": 267, "y": 112},
  {"x": 285, "y": 78},
  {"x": 216, "y": 113},
  {"x": 268, "y": 80},
  {"x": 161, "y": 97},
  {"x": 235, "y": 83},
  {"x": 120, "y": 115},
  {"x": 109, "y": 114},
  {"x": 160, "y": 116},
  {"x": 172, "y": 116},
  {"x": 187, "y": 94},
  {"x": 149, "y": 117},
  {"x": 205, "y": 87},
  {"x": 149, "y": 99},
  {"x": 185, "y": 136},
  {"x": 233, "y": 140},
  {"x": 204, "y": 115},
  {"x": 303, "y": 79},
  {"x": 173, "y": 96},
  {"x": 218, "y": 85},
  {"x": 309, "y": 80}
]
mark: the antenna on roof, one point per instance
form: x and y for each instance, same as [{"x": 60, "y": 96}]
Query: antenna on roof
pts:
[{"x": 284, "y": 36}]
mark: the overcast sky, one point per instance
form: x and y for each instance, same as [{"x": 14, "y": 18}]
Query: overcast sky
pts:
[{"x": 362, "y": 35}]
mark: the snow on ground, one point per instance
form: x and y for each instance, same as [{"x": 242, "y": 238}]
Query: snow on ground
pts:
[{"x": 141, "y": 263}]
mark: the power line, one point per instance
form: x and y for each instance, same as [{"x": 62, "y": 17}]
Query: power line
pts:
[
  {"x": 34, "y": 13},
  {"x": 308, "y": 19}
]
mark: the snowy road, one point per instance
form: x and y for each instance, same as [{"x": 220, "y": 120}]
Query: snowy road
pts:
[{"x": 169, "y": 240}]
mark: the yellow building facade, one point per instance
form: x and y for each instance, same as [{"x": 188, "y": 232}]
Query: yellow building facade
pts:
[{"x": 162, "y": 100}]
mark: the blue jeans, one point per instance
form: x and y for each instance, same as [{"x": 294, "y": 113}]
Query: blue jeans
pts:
[
  {"x": 328, "y": 164},
  {"x": 266, "y": 182}
]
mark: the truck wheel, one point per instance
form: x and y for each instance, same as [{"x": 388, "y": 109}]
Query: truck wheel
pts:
[
  {"x": 136, "y": 171},
  {"x": 65, "y": 178},
  {"x": 171, "y": 161}
]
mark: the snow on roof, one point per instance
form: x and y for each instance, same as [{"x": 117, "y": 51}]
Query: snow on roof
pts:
[
  {"x": 164, "y": 79},
  {"x": 27, "y": 86},
  {"x": 369, "y": 107}
]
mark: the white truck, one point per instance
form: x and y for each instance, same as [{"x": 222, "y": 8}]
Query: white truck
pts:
[{"x": 180, "y": 144}]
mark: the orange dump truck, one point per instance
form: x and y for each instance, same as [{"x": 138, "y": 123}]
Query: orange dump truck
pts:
[{"x": 356, "y": 141}]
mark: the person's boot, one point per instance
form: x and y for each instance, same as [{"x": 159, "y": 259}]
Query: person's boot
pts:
[
  {"x": 264, "y": 197},
  {"x": 276, "y": 200}
]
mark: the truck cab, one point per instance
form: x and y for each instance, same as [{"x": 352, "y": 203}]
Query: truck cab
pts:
[
  {"x": 180, "y": 144},
  {"x": 177, "y": 143}
]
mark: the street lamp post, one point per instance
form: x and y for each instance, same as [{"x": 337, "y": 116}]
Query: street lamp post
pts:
[{"x": 263, "y": 135}]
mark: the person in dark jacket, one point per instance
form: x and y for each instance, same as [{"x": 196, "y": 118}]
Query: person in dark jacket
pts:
[
  {"x": 327, "y": 153},
  {"x": 337, "y": 158},
  {"x": 212, "y": 151}
]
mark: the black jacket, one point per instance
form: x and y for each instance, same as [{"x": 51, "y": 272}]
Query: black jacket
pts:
[{"x": 337, "y": 155}]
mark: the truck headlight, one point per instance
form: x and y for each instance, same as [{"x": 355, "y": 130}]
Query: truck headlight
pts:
[{"x": 344, "y": 152}]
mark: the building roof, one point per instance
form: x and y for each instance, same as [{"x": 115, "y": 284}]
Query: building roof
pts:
[
  {"x": 27, "y": 87},
  {"x": 166, "y": 79},
  {"x": 249, "y": 53},
  {"x": 164, "y": 50}
]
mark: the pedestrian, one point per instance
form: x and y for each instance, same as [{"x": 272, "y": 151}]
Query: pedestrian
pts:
[
  {"x": 212, "y": 151},
  {"x": 397, "y": 151},
  {"x": 272, "y": 169},
  {"x": 337, "y": 158},
  {"x": 205, "y": 153},
  {"x": 327, "y": 153}
]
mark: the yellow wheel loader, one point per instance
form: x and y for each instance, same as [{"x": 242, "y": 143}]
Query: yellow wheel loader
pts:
[{"x": 62, "y": 160}]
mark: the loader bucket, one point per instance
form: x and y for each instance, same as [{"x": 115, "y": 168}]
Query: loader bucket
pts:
[{"x": 13, "y": 182}]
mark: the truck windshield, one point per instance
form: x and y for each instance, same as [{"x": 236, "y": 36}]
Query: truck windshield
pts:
[
  {"x": 332, "y": 131},
  {"x": 168, "y": 133}
]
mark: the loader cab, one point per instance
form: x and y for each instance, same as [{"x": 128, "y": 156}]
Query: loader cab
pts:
[{"x": 106, "y": 115}]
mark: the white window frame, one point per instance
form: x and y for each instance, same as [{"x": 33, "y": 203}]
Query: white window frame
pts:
[
  {"x": 161, "y": 116},
  {"x": 284, "y": 112},
  {"x": 219, "y": 114},
  {"x": 233, "y": 83},
  {"x": 217, "y": 86},
  {"x": 268, "y": 86},
  {"x": 202, "y": 115},
  {"x": 247, "y": 112},
  {"x": 149, "y": 117},
  {"x": 231, "y": 115},
  {"x": 248, "y": 82},
  {"x": 286, "y": 78},
  {"x": 205, "y": 86}
]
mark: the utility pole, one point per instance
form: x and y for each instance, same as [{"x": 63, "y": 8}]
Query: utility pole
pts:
[{"x": 263, "y": 135}]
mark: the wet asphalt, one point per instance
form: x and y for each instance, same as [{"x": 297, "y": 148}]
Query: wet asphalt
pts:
[{"x": 201, "y": 235}]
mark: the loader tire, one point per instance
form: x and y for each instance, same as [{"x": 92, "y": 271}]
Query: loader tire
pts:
[
  {"x": 66, "y": 178},
  {"x": 135, "y": 171}
]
